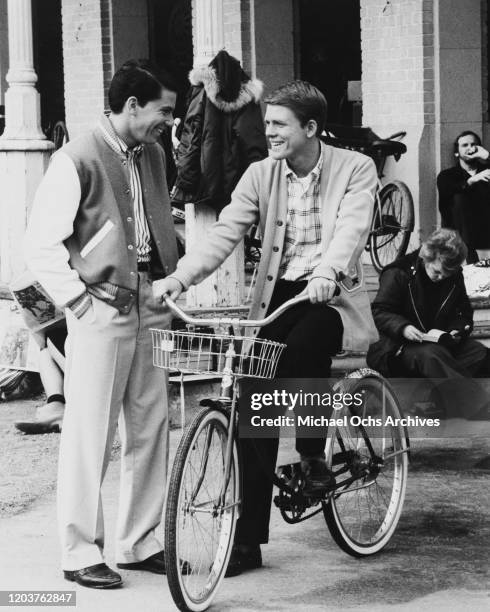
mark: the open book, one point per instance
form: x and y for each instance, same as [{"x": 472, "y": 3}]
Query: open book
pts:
[
  {"x": 36, "y": 306},
  {"x": 433, "y": 335}
]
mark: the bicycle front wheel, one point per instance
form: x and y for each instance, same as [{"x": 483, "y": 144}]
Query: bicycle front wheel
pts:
[
  {"x": 393, "y": 224},
  {"x": 369, "y": 456},
  {"x": 201, "y": 511}
]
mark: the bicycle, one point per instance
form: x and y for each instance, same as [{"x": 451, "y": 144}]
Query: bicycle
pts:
[
  {"x": 361, "y": 510},
  {"x": 393, "y": 219}
]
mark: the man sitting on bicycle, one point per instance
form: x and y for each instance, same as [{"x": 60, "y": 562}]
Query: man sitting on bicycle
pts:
[{"x": 314, "y": 205}]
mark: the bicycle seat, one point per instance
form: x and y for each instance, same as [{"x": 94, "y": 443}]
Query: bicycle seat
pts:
[{"x": 389, "y": 147}]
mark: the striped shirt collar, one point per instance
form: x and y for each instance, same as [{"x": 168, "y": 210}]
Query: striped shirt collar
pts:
[
  {"x": 314, "y": 174},
  {"x": 116, "y": 143}
]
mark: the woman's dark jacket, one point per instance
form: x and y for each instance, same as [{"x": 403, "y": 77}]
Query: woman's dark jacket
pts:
[
  {"x": 220, "y": 137},
  {"x": 402, "y": 301}
]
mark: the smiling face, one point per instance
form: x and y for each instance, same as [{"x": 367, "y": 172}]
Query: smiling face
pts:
[
  {"x": 287, "y": 137},
  {"x": 146, "y": 123},
  {"x": 467, "y": 147}
]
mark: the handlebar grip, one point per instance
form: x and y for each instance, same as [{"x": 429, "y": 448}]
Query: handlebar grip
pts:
[{"x": 397, "y": 135}]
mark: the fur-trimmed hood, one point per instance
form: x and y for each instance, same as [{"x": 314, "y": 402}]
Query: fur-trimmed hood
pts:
[{"x": 250, "y": 91}]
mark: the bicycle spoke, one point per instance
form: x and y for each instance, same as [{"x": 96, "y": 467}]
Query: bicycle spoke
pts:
[
  {"x": 363, "y": 514},
  {"x": 199, "y": 531}
]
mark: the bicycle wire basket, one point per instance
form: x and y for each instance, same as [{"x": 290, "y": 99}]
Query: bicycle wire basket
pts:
[{"x": 203, "y": 353}]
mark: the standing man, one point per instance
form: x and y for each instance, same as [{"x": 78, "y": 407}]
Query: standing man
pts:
[
  {"x": 314, "y": 205},
  {"x": 100, "y": 231}
]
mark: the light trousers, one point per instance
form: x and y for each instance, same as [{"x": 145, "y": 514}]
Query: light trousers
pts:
[{"x": 109, "y": 378}]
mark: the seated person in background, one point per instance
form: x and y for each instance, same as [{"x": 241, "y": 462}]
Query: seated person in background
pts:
[
  {"x": 421, "y": 292},
  {"x": 49, "y": 416},
  {"x": 464, "y": 195}
]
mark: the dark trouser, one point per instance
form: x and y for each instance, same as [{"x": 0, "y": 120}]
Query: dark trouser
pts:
[
  {"x": 470, "y": 215},
  {"x": 312, "y": 333},
  {"x": 460, "y": 395}
]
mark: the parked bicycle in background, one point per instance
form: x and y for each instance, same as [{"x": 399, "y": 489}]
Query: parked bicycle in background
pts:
[{"x": 393, "y": 218}]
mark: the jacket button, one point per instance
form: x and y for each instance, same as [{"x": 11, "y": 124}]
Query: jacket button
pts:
[
  {"x": 262, "y": 305},
  {"x": 130, "y": 247},
  {"x": 269, "y": 277},
  {"x": 127, "y": 190},
  {"x": 275, "y": 249},
  {"x": 130, "y": 219},
  {"x": 279, "y": 222}
]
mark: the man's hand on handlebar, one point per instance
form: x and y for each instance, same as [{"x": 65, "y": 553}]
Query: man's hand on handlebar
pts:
[
  {"x": 321, "y": 290},
  {"x": 167, "y": 287}
]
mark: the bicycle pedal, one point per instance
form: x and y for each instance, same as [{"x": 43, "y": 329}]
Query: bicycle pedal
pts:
[{"x": 292, "y": 475}]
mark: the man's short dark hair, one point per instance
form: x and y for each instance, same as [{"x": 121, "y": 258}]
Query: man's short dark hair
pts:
[
  {"x": 304, "y": 100},
  {"x": 465, "y": 133},
  {"x": 141, "y": 79}
]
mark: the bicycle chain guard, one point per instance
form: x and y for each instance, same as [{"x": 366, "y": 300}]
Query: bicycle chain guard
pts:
[{"x": 291, "y": 501}]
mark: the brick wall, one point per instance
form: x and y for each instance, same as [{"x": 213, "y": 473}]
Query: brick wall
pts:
[
  {"x": 484, "y": 21},
  {"x": 246, "y": 37},
  {"x": 87, "y": 64},
  {"x": 397, "y": 61},
  {"x": 232, "y": 22}
]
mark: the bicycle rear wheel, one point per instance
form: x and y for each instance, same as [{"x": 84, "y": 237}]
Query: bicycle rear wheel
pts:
[
  {"x": 370, "y": 461},
  {"x": 393, "y": 224},
  {"x": 199, "y": 524}
]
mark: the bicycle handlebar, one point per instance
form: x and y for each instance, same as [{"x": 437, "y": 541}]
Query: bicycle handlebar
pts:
[
  {"x": 226, "y": 321},
  {"x": 396, "y": 135}
]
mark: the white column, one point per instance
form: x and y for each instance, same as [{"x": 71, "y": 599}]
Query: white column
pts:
[
  {"x": 22, "y": 108},
  {"x": 24, "y": 150},
  {"x": 209, "y": 35},
  {"x": 226, "y": 286}
]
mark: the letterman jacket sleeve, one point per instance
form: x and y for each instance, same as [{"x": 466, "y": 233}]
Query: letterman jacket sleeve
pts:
[{"x": 50, "y": 223}]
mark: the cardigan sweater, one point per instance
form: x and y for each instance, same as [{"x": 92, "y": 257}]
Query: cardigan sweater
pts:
[
  {"x": 347, "y": 185},
  {"x": 95, "y": 237}
]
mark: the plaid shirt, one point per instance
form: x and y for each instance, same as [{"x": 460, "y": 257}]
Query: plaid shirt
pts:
[{"x": 302, "y": 245}]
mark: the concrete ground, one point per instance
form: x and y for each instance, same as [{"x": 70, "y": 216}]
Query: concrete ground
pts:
[{"x": 437, "y": 560}]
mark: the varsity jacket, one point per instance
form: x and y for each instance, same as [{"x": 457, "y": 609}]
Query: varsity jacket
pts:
[{"x": 101, "y": 246}]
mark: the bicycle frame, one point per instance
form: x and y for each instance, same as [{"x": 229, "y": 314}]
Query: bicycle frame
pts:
[{"x": 229, "y": 380}]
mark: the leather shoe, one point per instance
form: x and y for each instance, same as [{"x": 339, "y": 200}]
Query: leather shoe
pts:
[
  {"x": 318, "y": 477},
  {"x": 154, "y": 564},
  {"x": 243, "y": 559},
  {"x": 95, "y": 577},
  {"x": 49, "y": 419}
]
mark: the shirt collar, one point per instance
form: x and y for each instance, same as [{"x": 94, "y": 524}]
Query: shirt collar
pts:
[
  {"x": 314, "y": 174},
  {"x": 116, "y": 143}
]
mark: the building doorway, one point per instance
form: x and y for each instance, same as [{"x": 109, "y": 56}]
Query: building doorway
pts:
[
  {"x": 328, "y": 38},
  {"x": 48, "y": 62},
  {"x": 171, "y": 41}
]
